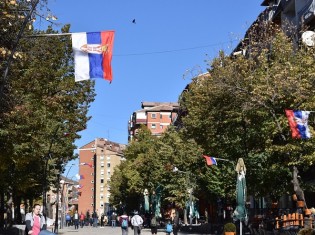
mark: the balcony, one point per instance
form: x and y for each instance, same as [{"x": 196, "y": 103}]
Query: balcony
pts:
[{"x": 307, "y": 13}]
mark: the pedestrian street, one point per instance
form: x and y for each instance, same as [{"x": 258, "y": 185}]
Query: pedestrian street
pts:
[{"x": 107, "y": 230}]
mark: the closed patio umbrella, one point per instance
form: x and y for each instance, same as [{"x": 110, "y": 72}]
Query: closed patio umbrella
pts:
[{"x": 240, "y": 212}]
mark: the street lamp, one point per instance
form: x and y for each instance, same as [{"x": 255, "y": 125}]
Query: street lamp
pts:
[{"x": 190, "y": 190}]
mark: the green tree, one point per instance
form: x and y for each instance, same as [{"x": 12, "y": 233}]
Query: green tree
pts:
[
  {"x": 237, "y": 110},
  {"x": 42, "y": 111}
]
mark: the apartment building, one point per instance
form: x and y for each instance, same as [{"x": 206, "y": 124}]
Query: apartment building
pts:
[
  {"x": 299, "y": 13},
  {"x": 157, "y": 116},
  {"x": 98, "y": 159}
]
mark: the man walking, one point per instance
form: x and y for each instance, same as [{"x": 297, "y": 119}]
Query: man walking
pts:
[
  {"x": 113, "y": 219},
  {"x": 76, "y": 220},
  {"x": 136, "y": 222}
]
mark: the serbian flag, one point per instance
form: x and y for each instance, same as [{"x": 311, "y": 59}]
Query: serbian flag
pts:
[
  {"x": 79, "y": 186},
  {"x": 93, "y": 55},
  {"x": 298, "y": 123},
  {"x": 86, "y": 164},
  {"x": 79, "y": 177},
  {"x": 210, "y": 160}
]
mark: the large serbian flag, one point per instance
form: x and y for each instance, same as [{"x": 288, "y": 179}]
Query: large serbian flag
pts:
[
  {"x": 93, "y": 55},
  {"x": 298, "y": 123}
]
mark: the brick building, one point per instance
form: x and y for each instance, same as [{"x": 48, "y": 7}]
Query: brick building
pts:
[
  {"x": 157, "y": 116},
  {"x": 97, "y": 162}
]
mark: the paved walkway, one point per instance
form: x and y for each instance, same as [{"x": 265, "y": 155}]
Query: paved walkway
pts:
[
  {"x": 100, "y": 231},
  {"x": 107, "y": 230}
]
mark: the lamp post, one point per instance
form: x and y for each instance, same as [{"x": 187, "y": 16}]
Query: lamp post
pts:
[
  {"x": 190, "y": 190},
  {"x": 57, "y": 204},
  {"x": 63, "y": 182}
]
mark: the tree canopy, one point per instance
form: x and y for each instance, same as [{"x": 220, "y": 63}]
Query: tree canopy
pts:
[{"x": 42, "y": 109}]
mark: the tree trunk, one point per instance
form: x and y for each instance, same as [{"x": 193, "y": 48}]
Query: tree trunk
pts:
[{"x": 296, "y": 186}]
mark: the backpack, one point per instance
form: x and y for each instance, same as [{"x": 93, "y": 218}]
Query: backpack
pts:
[
  {"x": 153, "y": 222},
  {"x": 169, "y": 228},
  {"x": 124, "y": 223}
]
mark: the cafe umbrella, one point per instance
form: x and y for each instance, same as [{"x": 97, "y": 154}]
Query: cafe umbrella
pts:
[{"x": 240, "y": 212}]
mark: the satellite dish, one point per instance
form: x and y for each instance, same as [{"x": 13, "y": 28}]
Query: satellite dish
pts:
[{"x": 308, "y": 38}]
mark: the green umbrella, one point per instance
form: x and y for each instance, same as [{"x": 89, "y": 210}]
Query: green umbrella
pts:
[{"x": 240, "y": 212}]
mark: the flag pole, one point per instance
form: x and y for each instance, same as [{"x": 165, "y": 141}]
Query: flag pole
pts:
[{"x": 47, "y": 35}]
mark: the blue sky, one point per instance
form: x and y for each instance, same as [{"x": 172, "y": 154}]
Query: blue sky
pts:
[{"x": 154, "y": 58}]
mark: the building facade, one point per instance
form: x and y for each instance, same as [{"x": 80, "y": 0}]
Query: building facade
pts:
[
  {"x": 298, "y": 13},
  {"x": 157, "y": 116},
  {"x": 97, "y": 162}
]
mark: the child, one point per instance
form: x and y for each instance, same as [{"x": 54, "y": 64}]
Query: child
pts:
[{"x": 169, "y": 227}]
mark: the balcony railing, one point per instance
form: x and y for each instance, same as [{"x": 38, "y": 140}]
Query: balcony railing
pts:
[{"x": 307, "y": 13}]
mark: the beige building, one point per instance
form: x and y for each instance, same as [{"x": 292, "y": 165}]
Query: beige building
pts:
[{"x": 97, "y": 162}]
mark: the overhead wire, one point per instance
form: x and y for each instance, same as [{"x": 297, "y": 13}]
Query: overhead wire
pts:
[{"x": 175, "y": 50}]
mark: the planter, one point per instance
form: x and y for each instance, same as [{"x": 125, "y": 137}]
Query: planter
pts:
[
  {"x": 300, "y": 203},
  {"x": 307, "y": 212},
  {"x": 229, "y": 233}
]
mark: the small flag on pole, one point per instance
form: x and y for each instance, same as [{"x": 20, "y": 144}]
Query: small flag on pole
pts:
[
  {"x": 298, "y": 123},
  {"x": 210, "y": 160},
  {"x": 79, "y": 186},
  {"x": 86, "y": 164},
  {"x": 79, "y": 177},
  {"x": 93, "y": 55}
]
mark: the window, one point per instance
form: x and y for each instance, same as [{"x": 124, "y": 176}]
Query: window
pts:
[
  {"x": 102, "y": 181},
  {"x": 92, "y": 173},
  {"x": 161, "y": 116},
  {"x": 108, "y": 173},
  {"x": 108, "y": 165},
  {"x": 108, "y": 157},
  {"x": 92, "y": 204},
  {"x": 161, "y": 126},
  {"x": 153, "y": 115},
  {"x": 92, "y": 189},
  {"x": 92, "y": 181},
  {"x": 102, "y": 157},
  {"x": 153, "y": 126}
]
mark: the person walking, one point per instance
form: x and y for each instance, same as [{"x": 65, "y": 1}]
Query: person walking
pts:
[
  {"x": 102, "y": 220},
  {"x": 175, "y": 222},
  {"x": 95, "y": 219},
  {"x": 153, "y": 225},
  {"x": 136, "y": 222},
  {"x": 34, "y": 221},
  {"x": 113, "y": 219},
  {"x": 76, "y": 220},
  {"x": 68, "y": 220},
  {"x": 124, "y": 223},
  {"x": 82, "y": 219}
]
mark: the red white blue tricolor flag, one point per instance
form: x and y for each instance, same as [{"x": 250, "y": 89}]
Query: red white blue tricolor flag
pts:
[
  {"x": 93, "y": 55},
  {"x": 86, "y": 164},
  {"x": 298, "y": 123},
  {"x": 210, "y": 160},
  {"x": 79, "y": 177}
]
